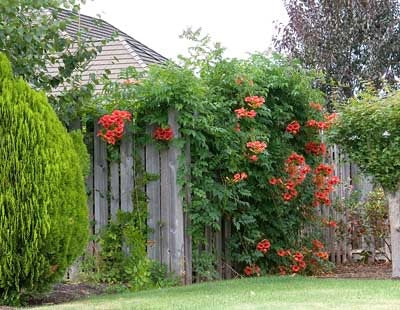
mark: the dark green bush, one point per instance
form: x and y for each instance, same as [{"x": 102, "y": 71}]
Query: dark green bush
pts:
[{"x": 43, "y": 214}]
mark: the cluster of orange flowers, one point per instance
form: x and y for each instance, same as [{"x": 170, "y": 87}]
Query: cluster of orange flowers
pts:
[
  {"x": 239, "y": 177},
  {"x": 297, "y": 263},
  {"x": 113, "y": 126},
  {"x": 324, "y": 183},
  {"x": 263, "y": 246},
  {"x": 243, "y": 113},
  {"x": 254, "y": 101},
  {"x": 297, "y": 170},
  {"x": 256, "y": 147},
  {"x": 293, "y": 128},
  {"x": 252, "y": 269},
  {"x": 163, "y": 134},
  {"x": 322, "y": 125},
  {"x": 315, "y": 148}
]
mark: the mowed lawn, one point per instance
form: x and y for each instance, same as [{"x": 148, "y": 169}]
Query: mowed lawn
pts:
[{"x": 257, "y": 293}]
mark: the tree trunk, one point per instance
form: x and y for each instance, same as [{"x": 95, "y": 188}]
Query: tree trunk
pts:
[{"x": 393, "y": 198}]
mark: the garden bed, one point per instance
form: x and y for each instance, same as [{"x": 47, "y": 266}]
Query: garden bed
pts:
[
  {"x": 362, "y": 271},
  {"x": 66, "y": 292}
]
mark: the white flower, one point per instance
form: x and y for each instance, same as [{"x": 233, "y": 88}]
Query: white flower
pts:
[
  {"x": 352, "y": 138},
  {"x": 386, "y": 134}
]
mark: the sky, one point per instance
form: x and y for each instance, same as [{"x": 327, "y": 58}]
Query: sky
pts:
[{"x": 240, "y": 26}]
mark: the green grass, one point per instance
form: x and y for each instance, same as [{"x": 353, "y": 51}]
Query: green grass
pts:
[{"x": 257, "y": 293}]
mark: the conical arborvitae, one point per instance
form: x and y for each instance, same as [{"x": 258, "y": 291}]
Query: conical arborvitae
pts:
[{"x": 43, "y": 213}]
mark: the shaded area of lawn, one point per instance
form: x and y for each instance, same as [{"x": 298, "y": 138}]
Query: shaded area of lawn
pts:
[{"x": 257, "y": 293}]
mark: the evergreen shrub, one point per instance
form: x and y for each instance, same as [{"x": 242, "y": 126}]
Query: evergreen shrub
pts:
[{"x": 43, "y": 213}]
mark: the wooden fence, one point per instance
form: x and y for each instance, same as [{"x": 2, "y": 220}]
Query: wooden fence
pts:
[
  {"x": 344, "y": 244},
  {"x": 110, "y": 185}
]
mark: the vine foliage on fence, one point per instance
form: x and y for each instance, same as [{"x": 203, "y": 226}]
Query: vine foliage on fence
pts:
[{"x": 232, "y": 131}]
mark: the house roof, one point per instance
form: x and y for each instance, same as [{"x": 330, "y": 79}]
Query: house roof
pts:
[
  {"x": 120, "y": 52},
  {"x": 98, "y": 29}
]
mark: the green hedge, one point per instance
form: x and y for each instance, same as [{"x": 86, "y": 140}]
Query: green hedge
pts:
[{"x": 43, "y": 213}]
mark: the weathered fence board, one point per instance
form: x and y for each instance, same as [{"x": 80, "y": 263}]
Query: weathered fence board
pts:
[
  {"x": 100, "y": 182},
  {"x": 90, "y": 197},
  {"x": 188, "y": 201},
  {"x": 176, "y": 214},
  {"x": 165, "y": 208},
  {"x": 227, "y": 236},
  {"x": 154, "y": 205},
  {"x": 126, "y": 167},
  {"x": 114, "y": 190},
  {"x": 342, "y": 246}
]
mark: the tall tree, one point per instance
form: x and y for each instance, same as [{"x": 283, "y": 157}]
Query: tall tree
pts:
[{"x": 351, "y": 41}]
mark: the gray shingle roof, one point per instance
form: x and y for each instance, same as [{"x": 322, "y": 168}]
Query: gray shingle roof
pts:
[
  {"x": 98, "y": 29},
  {"x": 121, "y": 51}
]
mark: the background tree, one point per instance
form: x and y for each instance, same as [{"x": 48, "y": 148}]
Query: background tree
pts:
[
  {"x": 351, "y": 41},
  {"x": 31, "y": 49},
  {"x": 368, "y": 129}
]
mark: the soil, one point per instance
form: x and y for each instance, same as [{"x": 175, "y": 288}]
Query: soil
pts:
[
  {"x": 361, "y": 271},
  {"x": 66, "y": 292}
]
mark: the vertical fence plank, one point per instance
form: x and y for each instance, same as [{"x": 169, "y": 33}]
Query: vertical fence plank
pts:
[
  {"x": 188, "y": 200},
  {"x": 165, "y": 196},
  {"x": 114, "y": 184},
  {"x": 176, "y": 213},
  {"x": 218, "y": 249},
  {"x": 154, "y": 206},
  {"x": 100, "y": 182},
  {"x": 227, "y": 254},
  {"x": 208, "y": 235},
  {"x": 126, "y": 171},
  {"x": 188, "y": 251},
  {"x": 90, "y": 202}
]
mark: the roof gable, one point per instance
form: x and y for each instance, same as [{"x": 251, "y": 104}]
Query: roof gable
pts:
[
  {"x": 98, "y": 29},
  {"x": 119, "y": 53}
]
